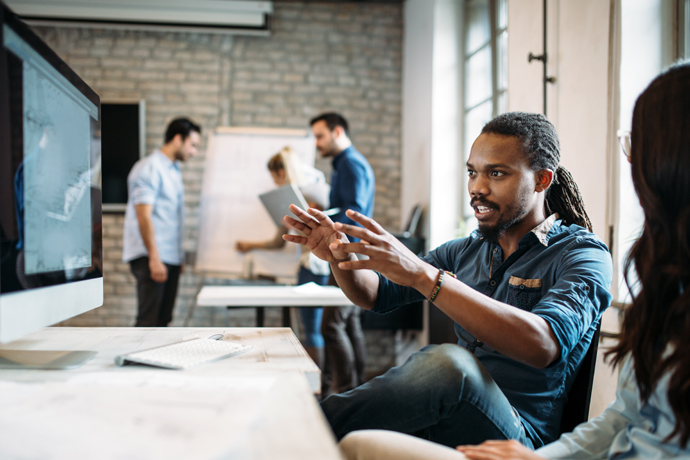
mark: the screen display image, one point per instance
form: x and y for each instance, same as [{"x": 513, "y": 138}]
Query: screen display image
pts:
[{"x": 56, "y": 178}]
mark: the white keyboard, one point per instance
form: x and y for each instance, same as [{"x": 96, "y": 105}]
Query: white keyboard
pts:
[{"x": 183, "y": 355}]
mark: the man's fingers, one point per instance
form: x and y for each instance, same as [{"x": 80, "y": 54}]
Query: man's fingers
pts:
[
  {"x": 357, "y": 265},
  {"x": 356, "y": 248},
  {"x": 323, "y": 219},
  {"x": 358, "y": 232},
  {"x": 304, "y": 216},
  {"x": 366, "y": 222},
  {"x": 295, "y": 239},
  {"x": 297, "y": 225}
]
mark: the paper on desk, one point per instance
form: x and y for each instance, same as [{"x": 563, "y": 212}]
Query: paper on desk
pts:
[
  {"x": 309, "y": 288},
  {"x": 87, "y": 417}
]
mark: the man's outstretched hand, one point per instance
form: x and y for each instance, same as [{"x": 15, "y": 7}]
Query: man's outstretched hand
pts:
[
  {"x": 319, "y": 233},
  {"x": 387, "y": 255}
]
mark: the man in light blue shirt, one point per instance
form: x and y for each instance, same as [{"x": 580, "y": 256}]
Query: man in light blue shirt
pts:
[{"x": 154, "y": 223}]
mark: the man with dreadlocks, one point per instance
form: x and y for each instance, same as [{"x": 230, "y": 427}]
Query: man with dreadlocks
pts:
[{"x": 526, "y": 291}]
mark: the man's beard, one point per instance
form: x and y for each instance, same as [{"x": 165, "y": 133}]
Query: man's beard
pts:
[
  {"x": 330, "y": 151},
  {"x": 492, "y": 233}
]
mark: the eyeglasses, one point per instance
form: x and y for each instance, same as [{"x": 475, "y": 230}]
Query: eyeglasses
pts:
[{"x": 624, "y": 141}]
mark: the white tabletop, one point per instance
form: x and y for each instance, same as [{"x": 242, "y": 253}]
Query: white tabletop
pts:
[
  {"x": 306, "y": 295},
  {"x": 250, "y": 406}
]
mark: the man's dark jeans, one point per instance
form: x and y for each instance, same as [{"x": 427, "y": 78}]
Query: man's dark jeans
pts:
[
  {"x": 345, "y": 349},
  {"x": 156, "y": 300},
  {"x": 442, "y": 393}
]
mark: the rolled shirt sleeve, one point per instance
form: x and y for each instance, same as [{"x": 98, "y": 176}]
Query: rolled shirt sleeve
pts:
[
  {"x": 145, "y": 185},
  {"x": 580, "y": 293}
]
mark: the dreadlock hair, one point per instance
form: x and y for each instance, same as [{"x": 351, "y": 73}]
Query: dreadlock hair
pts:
[
  {"x": 656, "y": 325},
  {"x": 543, "y": 151}
]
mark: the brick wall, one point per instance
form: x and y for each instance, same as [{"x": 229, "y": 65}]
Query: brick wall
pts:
[{"x": 320, "y": 56}]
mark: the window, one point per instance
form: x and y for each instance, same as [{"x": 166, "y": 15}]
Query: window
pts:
[
  {"x": 648, "y": 46},
  {"x": 486, "y": 75}
]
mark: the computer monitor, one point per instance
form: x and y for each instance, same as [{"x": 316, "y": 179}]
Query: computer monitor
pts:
[{"x": 50, "y": 194}]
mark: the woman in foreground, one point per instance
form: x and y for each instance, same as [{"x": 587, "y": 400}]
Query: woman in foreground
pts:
[{"x": 650, "y": 418}]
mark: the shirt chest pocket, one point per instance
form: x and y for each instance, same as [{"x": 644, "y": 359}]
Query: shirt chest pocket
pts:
[{"x": 523, "y": 293}]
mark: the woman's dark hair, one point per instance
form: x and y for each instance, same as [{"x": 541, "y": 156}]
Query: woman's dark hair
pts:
[
  {"x": 182, "y": 126},
  {"x": 656, "y": 326},
  {"x": 541, "y": 146}
]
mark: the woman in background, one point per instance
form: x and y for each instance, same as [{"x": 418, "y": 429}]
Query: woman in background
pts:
[
  {"x": 285, "y": 169},
  {"x": 650, "y": 418}
]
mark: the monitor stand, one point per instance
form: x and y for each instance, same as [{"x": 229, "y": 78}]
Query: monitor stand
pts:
[{"x": 43, "y": 359}]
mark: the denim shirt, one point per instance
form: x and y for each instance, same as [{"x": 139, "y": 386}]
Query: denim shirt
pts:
[
  {"x": 561, "y": 273},
  {"x": 352, "y": 186},
  {"x": 156, "y": 180},
  {"x": 628, "y": 429}
]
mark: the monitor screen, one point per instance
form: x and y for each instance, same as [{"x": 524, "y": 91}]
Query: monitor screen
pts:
[{"x": 50, "y": 193}]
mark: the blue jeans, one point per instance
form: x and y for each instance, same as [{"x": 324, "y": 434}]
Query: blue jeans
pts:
[
  {"x": 311, "y": 317},
  {"x": 442, "y": 392}
]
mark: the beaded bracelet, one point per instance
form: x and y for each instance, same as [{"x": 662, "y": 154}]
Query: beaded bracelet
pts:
[
  {"x": 439, "y": 283},
  {"x": 437, "y": 287}
]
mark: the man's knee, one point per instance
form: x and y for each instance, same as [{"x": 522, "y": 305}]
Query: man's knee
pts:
[{"x": 453, "y": 365}]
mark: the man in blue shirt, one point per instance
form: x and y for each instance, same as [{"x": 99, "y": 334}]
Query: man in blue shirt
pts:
[
  {"x": 352, "y": 187},
  {"x": 531, "y": 286},
  {"x": 154, "y": 223}
]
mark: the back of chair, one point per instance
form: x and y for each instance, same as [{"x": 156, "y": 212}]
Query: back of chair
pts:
[
  {"x": 411, "y": 226},
  {"x": 576, "y": 410}
]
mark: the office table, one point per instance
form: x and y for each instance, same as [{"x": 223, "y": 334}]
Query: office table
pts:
[
  {"x": 306, "y": 295},
  {"x": 251, "y": 406}
]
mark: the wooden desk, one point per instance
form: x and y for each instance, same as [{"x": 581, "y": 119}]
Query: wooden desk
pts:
[
  {"x": 255, "y": 405},
  {"x": 307, "y": 295}
]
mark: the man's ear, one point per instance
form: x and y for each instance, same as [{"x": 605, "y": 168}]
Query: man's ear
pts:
[
  {"x": 338, "y": 131},
  {"x": 543, "y": 177}
]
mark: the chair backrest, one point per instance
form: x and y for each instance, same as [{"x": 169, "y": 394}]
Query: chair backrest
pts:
[
  {"x": 576, "y": 410},
  {"x": 413, "y": 220}
]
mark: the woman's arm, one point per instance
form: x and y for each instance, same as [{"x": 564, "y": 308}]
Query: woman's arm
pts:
[{"x": 276, "y": 243}]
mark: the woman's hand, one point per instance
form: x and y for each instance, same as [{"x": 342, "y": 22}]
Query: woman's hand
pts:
[
  {"x": 499, "y": 450},
  {"x": 244, "y": 246}
]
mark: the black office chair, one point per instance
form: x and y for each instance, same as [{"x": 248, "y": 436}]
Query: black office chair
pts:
[
  {"x": 410, "y": 236},
  {"x": 576, "y": 410}
]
